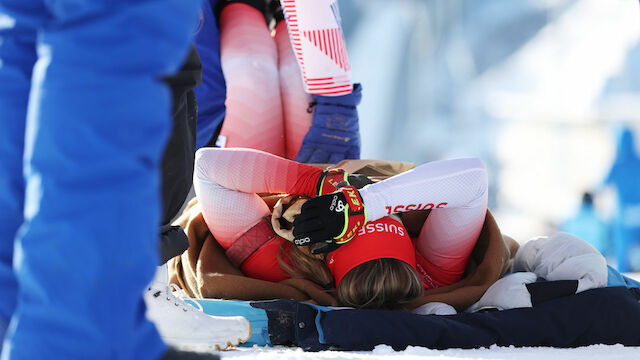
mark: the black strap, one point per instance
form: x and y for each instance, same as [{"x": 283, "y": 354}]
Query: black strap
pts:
[{"x": 542, "y": 291}]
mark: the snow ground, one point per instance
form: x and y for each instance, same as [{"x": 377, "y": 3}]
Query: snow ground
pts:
[{"x": 600, "y": 352}]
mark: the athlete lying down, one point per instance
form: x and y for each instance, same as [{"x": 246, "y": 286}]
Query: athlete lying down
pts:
[
  {"x": 399, "y": 259},
  {"x": 543, "y": 268},
  {"x": 421, "y": 228}
]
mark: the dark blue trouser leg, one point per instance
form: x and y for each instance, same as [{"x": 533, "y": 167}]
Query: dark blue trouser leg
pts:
[{"x": 97, "y": 122}]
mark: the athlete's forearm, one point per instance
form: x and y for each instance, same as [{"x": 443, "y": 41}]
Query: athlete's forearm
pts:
[
  {"x": 254, "y": 171},
  {"x": 438, "y": 184}
]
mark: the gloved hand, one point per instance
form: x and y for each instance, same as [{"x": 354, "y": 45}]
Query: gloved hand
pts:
[
  {"x": 507, "y": 293},
  {"x": 332, "y": 218},
  {"x": 331, "y": 180},
  {"x": 334, "y": 133},
  {"x": 359, "y": 180}
]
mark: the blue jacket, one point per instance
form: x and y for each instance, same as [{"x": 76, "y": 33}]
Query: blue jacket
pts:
[{"x": 212, "y": 93}]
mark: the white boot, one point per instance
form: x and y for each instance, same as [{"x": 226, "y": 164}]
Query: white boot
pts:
[{"x": 187, "y": 327}]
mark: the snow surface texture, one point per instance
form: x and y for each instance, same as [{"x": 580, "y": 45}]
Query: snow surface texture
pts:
[{"x": 600, "y": 352}]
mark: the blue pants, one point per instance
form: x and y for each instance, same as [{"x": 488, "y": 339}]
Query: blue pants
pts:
[
  {"x": 211, "y": 94},
  {"x": 84, "y": 116}
]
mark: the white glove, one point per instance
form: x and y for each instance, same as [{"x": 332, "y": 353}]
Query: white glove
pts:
[
  {"x": 563, "y": 256},
  {"x": 508, "y": 292},
  {"x": 435, "y": 308}
]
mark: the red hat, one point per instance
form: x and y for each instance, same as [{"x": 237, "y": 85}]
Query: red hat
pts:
[{"x": 380, "y": 239}]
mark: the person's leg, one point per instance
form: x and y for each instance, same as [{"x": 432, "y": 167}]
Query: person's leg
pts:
[
  {"x": 18, "y": 22},
  {"x": 250, "y": 66},
  {"x": 315, "y": 33},
  {"x": 179, "y": 154},
  {"x": 96, "y": 127},
  {"x": 295, "y": 101}
]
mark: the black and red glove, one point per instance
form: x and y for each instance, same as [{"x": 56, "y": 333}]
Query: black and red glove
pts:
[
  {"x": 331, "y": 180},
  {"x": 330, "y": 220}
]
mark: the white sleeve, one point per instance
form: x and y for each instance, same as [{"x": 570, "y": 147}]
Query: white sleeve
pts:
[
  {"x": 563, "y": 257},
  {"x": 457, "y": 183}
]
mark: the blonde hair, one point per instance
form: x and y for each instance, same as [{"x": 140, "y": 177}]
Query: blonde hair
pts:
[
  {"x": 380, "y": 284},
  {"x": 304, "y": 264},
  {"x": 375, "y": 284}
]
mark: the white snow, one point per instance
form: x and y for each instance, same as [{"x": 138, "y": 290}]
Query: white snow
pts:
[{"x": 600, "y": 352}]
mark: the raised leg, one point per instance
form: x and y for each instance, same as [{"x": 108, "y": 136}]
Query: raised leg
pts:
[{"x": 250, "y": 65}]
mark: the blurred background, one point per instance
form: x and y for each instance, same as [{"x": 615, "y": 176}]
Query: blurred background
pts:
[{"x": 545, "y": 92}]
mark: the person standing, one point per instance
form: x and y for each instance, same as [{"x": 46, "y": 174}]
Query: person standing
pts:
[
  {"x": 623, "y": 176},
  {"x": 273, "y": 85},
  {"x": 84, "y": 119},
  {"x": 586, "y": 224}
]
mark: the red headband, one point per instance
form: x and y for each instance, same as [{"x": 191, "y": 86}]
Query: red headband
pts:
[{"x": 383, "y": 238}]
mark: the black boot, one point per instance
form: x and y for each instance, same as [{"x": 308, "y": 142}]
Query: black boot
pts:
[{"x": 281, "y": 314}]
